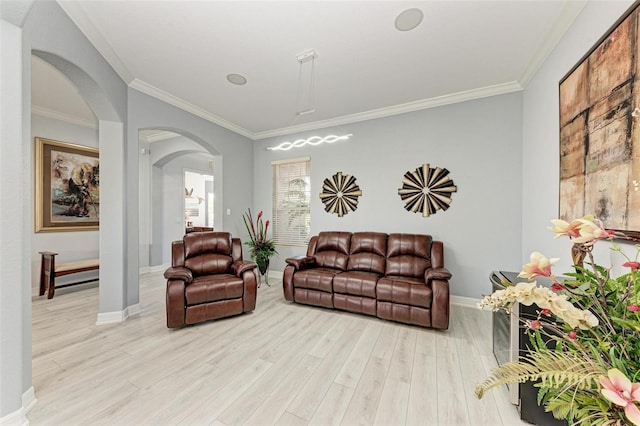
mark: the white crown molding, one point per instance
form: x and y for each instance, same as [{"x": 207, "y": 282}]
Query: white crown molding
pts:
[
  {"x": 77, "y": 14},
  {"x": 570, "y": 12},
  {"x": 177, "y": 102},
  {"x": 160, "y": 136},
  {"x": 56, "y": 115},
  {"x": 483, "y": 92}
]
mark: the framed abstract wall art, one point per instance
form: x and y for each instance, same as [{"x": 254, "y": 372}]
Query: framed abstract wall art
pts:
[
  {"x": 67, "y": 186},
  {"x": 599, "y": 136}
]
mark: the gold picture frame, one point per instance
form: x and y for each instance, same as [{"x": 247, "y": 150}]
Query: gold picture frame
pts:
[{"x": 67, "y": 186}]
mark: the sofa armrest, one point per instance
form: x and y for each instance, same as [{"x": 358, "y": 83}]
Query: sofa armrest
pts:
[
  {"x": 301, "y": 262},
  {"x": 239, "y": 267},
  {"x": 179, "y": 273},
  {"x": 176, "y": 303},
  {"x": 436, "y": 274},
  {"x": 440, "y": 304}
]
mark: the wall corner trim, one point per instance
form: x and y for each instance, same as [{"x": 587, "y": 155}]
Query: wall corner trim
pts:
[
  {"x": 111, "y": 317},
  {"x": 29, "y": 400}
]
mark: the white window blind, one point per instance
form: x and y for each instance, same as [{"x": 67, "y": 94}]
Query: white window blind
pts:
[{"x": 291, "y": 201}]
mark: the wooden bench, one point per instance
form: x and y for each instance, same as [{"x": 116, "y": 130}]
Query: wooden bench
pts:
[{"x": 49, "y": 271}]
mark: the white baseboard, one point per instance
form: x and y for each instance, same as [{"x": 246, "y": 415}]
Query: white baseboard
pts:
[
  {"x": 111, "y": 317},
  {"x": 133, "y": 310},
  {"x": 17, "y": 418},
  {"x": 468, "y": 302},
  {"x": 29, "y": 400}
]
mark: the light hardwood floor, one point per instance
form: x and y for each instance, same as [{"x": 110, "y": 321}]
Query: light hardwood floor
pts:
[{"x": 282, "y": 364}]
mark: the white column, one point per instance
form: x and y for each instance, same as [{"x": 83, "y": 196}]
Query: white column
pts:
[
  {"x": 12, "y": 280},
  {"x": 112, "y": 296}
]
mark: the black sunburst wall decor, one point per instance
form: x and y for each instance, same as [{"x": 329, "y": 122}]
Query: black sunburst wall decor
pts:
[
  {"x": 427, "y": 190},
  {"x": 340, "y": 194}
]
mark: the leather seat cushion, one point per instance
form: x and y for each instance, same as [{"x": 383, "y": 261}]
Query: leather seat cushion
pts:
[
  {"x": 211, "y": 288},
  {"x": 356, "y": 283},
  {"x": 315, "y": 279},
  {"x": 407, "y": 291}
]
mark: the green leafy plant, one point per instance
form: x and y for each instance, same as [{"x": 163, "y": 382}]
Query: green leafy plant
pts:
[
  {"x": 262, "y": 248},
  {"x": 585, "y": 342}
]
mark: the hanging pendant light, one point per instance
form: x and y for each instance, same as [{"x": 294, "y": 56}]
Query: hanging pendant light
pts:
[{"x": 307, "y": 60}]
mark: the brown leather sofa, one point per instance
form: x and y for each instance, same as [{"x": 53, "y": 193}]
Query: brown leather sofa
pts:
[
  {"x": 399, "y": 277},
  {"x": 208, "y": 279}
]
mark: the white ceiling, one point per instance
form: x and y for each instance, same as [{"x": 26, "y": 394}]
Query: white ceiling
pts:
[{"x": 182, "y": 51}]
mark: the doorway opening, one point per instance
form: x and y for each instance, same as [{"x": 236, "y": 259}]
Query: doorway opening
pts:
[{"x": 198, "y": 201}]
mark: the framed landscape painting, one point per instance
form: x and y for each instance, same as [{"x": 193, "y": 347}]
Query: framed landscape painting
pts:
[
  {"x": 599, "y": 137},
  {"x": 67, "y": 186}
]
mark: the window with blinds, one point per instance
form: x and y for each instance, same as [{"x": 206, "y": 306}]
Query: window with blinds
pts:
[{"x": 292, "y": 201}]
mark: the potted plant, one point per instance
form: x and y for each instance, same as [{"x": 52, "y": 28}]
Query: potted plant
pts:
[
  {"x": 262, "y": 248},
  {"x": 592, "y": 373}
]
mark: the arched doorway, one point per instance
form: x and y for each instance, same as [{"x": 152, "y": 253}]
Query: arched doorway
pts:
[{"x": 164, "y": 155}]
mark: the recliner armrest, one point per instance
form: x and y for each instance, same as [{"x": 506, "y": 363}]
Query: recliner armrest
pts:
[
  {"x": 301, "y": 262},
  {"x": 241, "y": 266},
  {"x": 179, "y": 273},
  {"x": 436, "y": 274}
]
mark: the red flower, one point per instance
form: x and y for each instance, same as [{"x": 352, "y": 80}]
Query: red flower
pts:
[
  {"x": 546, "y": 312},
  {"x": 535, "y": 324},
  {"x": 633, "y": 265},
  {"x": 572, "y": 335},
  {"x": 556, "y": 287},
  {"x": 633, "y": 308},
  {"x": 259, "y": 215}
]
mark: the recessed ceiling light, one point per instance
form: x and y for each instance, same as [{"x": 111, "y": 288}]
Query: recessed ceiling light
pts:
[
  {"x": 236, "y": 79},
  {"x": 409, "y": 19}
]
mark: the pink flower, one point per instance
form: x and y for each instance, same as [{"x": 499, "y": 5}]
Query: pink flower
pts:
[
  {"x": 592, "y": 230},
  {"x": 259, "y": 215},
  {"x": 539, "y": 265},
  {"x": 556, "y": 287},
  {"x": 572, "y": 335},
  {"x": 535, "y": 324},
  {"x": 633, "y": 265},
  {"x": 562, "y": 227},
  {"x": 633, "y": 308},
  {"x": 546, "y": 311},
  {"x": 618, "y": 389},
  {"x": 266, "y": 226}
]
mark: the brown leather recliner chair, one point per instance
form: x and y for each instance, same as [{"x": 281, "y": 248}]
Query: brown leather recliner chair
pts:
[{"x": 208, "y": 279}]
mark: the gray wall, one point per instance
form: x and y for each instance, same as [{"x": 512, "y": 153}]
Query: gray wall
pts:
[
  {"x": 479, "y": 142},
  {"x": 540, "y": 166},
  {"x": 69, "y": 245},
  {"x": 233, "y": 164}
]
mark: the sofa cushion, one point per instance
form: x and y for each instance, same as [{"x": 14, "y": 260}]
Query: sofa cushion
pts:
[
  {"x": 315, "y": 279},
  {"x": 356, "y": 283},
  {"x": 403, "y": 290},
  {"x": 197, "y": 243},
  {"x": 209, "y": 263},
  {"x": 408, "y": 255},
  {"x": 212, "y": 288},
  {"x": 368, "y": 251},
  {"x": 332, "y": 250}
]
